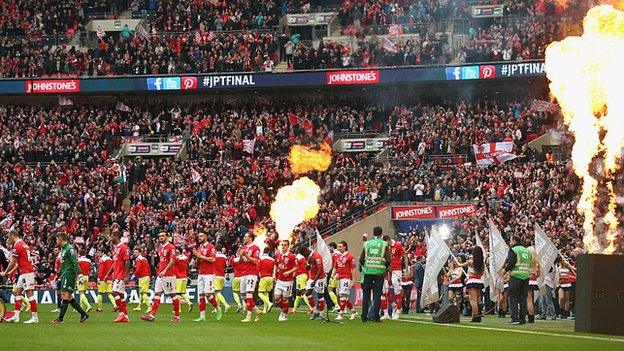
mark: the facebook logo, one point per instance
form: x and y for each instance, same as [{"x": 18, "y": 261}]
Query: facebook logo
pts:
[
  {"x": 167, "y": 83},
  {"x": 453, "y": 73},
  {"x": 470, "y": 72}
]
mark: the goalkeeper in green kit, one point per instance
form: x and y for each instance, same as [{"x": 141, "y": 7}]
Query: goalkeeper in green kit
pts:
[{"x": 67, "y": 274}]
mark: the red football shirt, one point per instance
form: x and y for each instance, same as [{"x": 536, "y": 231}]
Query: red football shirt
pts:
[
  {"x": 204, "y": 267},
  {"x": 246, "y": 266},
  {"x": 396, "y": 256},
  {"x": 285, "y": 263},
  {"x": 141, "y": 267},
  {"x": 266, "y": 266},
  {"x": 235, "y": 263},
  {"x": 301, "y": 265},
  {"x": 121, "y": 254},
  {"x": 21, "y": 252},
  {"x": 219, "y": 264},
  {"x": 345, "y": 264},
  {"x": 166, "y": 253},
  {"x": 104, "y": 266},
  {"x": 181, "y": 266},
  {"x": 85, "y": 265},
  {"x": 316, "y": 266}
]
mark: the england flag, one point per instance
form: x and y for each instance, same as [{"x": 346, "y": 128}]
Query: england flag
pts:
[{"x": 494, "y": 153}]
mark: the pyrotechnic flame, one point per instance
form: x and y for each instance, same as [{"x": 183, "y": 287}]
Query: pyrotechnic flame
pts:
[
  {"x": 585, "y": 75},
  {"x": 294, "y": 204},
  {"x": 304, "y": 159},
  {"x": 260, "y": 232}
]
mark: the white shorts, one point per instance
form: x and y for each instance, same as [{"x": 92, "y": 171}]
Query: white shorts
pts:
[
  {"x": 397, "y": 277},
  {"x": 205, "y": 284},
  {"x": 26, "y": 281},
  {"x": 166, "y": 285},
  {"x": 248, "y": 284},
  {"x": 344, "y": 286},
  {"x": 319, "y": 287},
  {"x": 119, "y": 286},
  {"x": 283, "y": 288}
]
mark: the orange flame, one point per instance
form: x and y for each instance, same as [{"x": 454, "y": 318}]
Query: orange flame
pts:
[
  {"x": 260, "y": 232},
  {"x": 304, "y": 159},
  {"x": 585, "y": 76},
  {"x": 294, "y": 204}
]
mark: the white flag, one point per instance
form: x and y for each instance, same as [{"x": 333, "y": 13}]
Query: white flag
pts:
[
  {"x": 493, "y": 153},
  {"x": 63, "y": 101},
  {"x": 498, "y": 254},
  {"x": 195, "y": 176},
  {"x": 387, "y": 44},
  {"x": 100, "y": 32},
  {"x": 249, "y": 145},
  {"x": 323, "y": 249},
  {"x": 437, "y": 255},
  {"x": 546, "y": 253},
  {"x": 487, "y": 277}
]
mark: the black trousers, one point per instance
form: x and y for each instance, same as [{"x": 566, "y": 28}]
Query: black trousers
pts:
[
  {"x": 371, "y": 284},
  {"x": 518, "y": 291}
]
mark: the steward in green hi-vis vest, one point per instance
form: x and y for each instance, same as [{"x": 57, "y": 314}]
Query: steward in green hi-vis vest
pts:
[
  {"x": 374, "y": 261},
  {"x": 522, "y": 269}
]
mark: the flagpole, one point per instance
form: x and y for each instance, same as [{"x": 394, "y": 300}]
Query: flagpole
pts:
[{"x": 326, "y": 319}]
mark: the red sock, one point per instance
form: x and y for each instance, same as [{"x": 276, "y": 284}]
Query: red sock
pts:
[
  {"x": 321, "y": 304},
  {"x": 202, "y": 305},
  {"x": 311, "y": 300},
  {"x": 250, "y": 304},
  {"x": 284, "y": 305},
  {"x": 213, "y": 301},
  {"x": 18, "y": 303},
  {"x": 384, "y": 304},
  {"x": 399, "y": 301},
  {"x": 349, "y": 305},
  {"x": 122, "y": 306},
  {"x": 176, "y": 307},
  {"x": 155, "y": 305},
  {"x": 343, "y": 304},
  {"x": 33, "y": 305}
]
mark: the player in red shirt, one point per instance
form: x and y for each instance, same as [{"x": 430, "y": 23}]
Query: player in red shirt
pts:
[
  {"x": 332, "y": 285},
  {"x": 397, "y": 262},
  {"x": 165, "y": 279},
  {"x": 83, "y": 281},
  {"x": 219, "y": 280},
  {"x": 316, "y": 282},
  {"x": 286, "y": 263},
  {"x": 21, "y": 262},
  {"x": 182, "y": 259},
  {"x": 266, "y": 270},
  {"x": 205, "y": 254},
  {"x": 343, "y": 272},
  {"x": 249, "y": 255},
  {"x": 105, "y": 280},
  {"x": 236, "y": 282},
  {"x": 142, "y": 272},
  {"x": 121, "y": 270}
]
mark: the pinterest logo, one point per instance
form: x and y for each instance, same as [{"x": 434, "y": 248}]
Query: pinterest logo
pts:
[
  {"x": 487, "y": 72},
  {"x": 189, "y": 83}
]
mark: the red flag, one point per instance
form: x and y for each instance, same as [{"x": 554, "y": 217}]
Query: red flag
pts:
[
  {"x": 293, "y": 119},
  {"x": 307, "y": 125},
  {"x": 198, "y": 37},
  {"x": 211, "y": 36}
]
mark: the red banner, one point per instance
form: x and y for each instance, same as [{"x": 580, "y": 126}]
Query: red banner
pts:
[
  {"x": 52, "y": 86},
  {"x": 456, "y": 211},
  {"x": 352, "y": 77},
  {"x": 420, "y": 211},
  {"x": 413, "y": 212}
]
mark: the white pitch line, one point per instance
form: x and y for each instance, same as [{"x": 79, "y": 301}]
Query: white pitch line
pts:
[{"x": 586, "y": 337}]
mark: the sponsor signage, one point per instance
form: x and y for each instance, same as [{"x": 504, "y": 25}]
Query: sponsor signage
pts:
[
  {"x": 423, "y": 211},
  {"x": 309, "y": 19},
  {"x": 482, "y": 11},
  {"x": 363, "y": 145},
  {"x": 382, "y": 76},
  {"x": 153, "y": 149},
  {"x": 52, "y": 86},
  {"x": 352, "y": 77}
]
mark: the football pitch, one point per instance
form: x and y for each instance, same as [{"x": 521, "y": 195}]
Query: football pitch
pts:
[{"x": 412, "y": 332}]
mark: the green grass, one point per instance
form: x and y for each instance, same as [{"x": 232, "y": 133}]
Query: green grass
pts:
[{"x": 415, "y": 332}]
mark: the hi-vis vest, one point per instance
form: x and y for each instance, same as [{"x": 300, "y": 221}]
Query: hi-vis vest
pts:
[
  {"x": 522, "y": 269},
  {"x": 374, "y": 253}
]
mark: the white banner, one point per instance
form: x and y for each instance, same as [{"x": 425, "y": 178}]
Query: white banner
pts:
[
  {"x": 323, "y": 249},
  {"x": 493, "y": 153},
  {"x": 546, "y": 253},
  {"x": 498, "y": 254},
  {"x": 487, "y": 277},
  {"x": 437, "y": 255}
]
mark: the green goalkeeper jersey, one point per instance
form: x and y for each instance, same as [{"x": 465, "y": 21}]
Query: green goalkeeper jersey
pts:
[{"x": 69, "y": 262}]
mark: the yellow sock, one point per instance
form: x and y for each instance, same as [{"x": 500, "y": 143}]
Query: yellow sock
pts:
[
  {"x": 296, "y": 303},
  {"x": 236, "y": 298},
  {"x": 186, "y": 299},
  {"x": 222, "y": 300},
  {"x": 84, "y": 302},
  {"x": 307, "y": 301},
  {"x": 25, "y": 302},
  {"x": 111, "y": 298},
  {"x": 333, "y": 297},
  {"x": 265, "y": 298},
  {"x": 99, "y": 300},
  {"x": 146, "y": 300}
]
